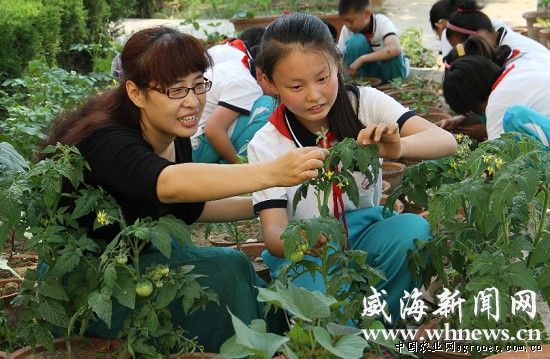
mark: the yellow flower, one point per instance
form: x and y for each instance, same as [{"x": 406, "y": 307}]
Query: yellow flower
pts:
[
  {"x": 329, "y": 174},
  {"x": 490, "y": 171},
  {"x": 102, "y": 218},
  {"x": 454, "y": 165},
  {"x": 340, "y": 185},
  {"x": 459, "y": 137},
  {"x": 498, "y": 163},
  {"x": 486, "y": 158}
]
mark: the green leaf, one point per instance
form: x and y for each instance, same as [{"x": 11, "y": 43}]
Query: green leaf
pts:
[
  {"x": 53, "y": 289},
  {"x": 161, "y": 240},
  {"x": 67, "y": 260},
  {"x": 84, "y": 204},
  {"x": 53, "y": 312},
  {"x": 166, "y": 294},
  {"x": 264, "y": 345},
  {"x": 124, "y": 290},
  {"x": 348, "y": 346},
  {"x": 102, "y": 306},
  {"x": 300, "y": 302},
  {"x": 517, "y": 274},
  {"x": 110, "y": 276},
  {"x": 176, "y": 228}
]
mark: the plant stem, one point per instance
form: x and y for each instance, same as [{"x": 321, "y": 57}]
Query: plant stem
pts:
[
  {"x": 505, "y": 227},
  {"x": 542, "y": 222}
]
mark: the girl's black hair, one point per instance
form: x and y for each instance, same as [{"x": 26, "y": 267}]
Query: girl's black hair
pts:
[
  {"x": 442, "y": 9},
  {"x": 477, "y": 45},
  {"x": 469, "y": 16},
  {"x": 468, "y": 83},
  {"x": 306, "y": 32}
]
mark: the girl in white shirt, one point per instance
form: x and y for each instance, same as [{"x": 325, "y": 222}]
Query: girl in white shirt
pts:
[{"x": 300, "y": 63}]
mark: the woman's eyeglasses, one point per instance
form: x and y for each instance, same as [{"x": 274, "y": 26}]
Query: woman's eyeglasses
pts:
[{"x": 180, "y": 92}]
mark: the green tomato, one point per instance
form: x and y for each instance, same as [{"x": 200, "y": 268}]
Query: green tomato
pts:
[
  {"x": 297, "y": 256},
  {"x": 122, "y": 259},
  {"x": 144, "y": 288}
]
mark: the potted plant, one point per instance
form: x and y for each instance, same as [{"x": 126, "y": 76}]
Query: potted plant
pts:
[
  {"x": 488, "y": 210},
  {"x": 530, "y": 17},
  {"x": 422, "y": 60}
]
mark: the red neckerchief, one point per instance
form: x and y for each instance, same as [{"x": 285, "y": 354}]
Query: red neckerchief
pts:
[
  {"x": 502, "y": 75},
  {"x": 239, "y": 44},
  {"x": 277, "y": 118},
  {"x": 369, "y": 35}
]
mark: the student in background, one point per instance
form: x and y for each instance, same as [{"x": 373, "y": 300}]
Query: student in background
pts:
[
  {"x": 236, "y": 106},
  {"x": 469, "y": 20},
  {"x": 440, "y": 12},
  {"x": 512, "y": 97},
  {"x": 370, "y": 43}
]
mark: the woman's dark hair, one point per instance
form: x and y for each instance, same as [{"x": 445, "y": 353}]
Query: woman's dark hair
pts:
[
  {"x": 442, "y": 9},
  {"x": 477, "y": 45},
  {"x": 468, "y": 16},
  {"x": 159, "y": 55},
  {"x": 305, "y": 32},
  {"x": 469, "y": 82}
]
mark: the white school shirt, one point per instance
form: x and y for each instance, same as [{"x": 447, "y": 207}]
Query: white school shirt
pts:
[
  {"x": 381, "y": 28},
  {"x": 233, "y": 87},
  {"x": 526, "y": 83},
  {"x": 225, "y": 52},
  {"x": 269, "y": 143},
  {"x": 524, "y": 44}
]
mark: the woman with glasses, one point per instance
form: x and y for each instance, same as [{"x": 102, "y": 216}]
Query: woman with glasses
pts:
[{"x": 135, "y": 138}]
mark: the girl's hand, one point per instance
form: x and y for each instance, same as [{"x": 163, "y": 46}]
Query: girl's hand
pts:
[
  {"x": 354, "y": 66},
  {"x": 298, "y": 165},
  {"x": 386, "y": 136}
]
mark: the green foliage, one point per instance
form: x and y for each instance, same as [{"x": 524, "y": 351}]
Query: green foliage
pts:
[
  {"x": 80, "y": 277},
  {"x": 32, "y": 102},
  {"x": 488, "y": 210},
  {"x": 411, "y": 42},
  {"x": 27, "y": 27}
]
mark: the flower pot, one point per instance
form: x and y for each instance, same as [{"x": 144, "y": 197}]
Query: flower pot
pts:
[
  {"x": 531, "y": 17},
  {"x": 544, "y": 34},
  {"x": 81, "y": 348},
  {"x": 544, "y": 353},
  {"x": 264, "y": 21},
  {"x": 537, "y": 28},
  {"x": 393, "y": 173}
]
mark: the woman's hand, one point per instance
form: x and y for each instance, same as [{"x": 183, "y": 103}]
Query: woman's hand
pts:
[
  {"x": 386, "y": 136},
  {"x": 298, "y": 165}
]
